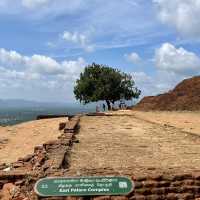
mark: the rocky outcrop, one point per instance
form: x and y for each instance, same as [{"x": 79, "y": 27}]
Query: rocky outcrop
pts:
[{"x": 185, "y": 96}]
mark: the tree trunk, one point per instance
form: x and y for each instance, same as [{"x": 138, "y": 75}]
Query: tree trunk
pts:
[{"x": 108, "y": 104}]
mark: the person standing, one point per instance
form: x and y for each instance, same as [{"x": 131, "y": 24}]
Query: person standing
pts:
[
  {"x": 104, "y": 107},
  {"x": 97, "y": 108}
]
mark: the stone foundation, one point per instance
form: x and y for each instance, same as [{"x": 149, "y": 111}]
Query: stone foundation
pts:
[{"x": 52, "y": 159}]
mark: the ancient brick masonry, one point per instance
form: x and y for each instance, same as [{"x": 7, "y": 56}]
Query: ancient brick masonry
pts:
[
  {"x": 160, "y": 187},
  {"x": 52, "y": 159},
  {"x": 183, "y": 186}
]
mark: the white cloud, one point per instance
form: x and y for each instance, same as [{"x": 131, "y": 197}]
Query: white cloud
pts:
[
  {"x": 11, "y": 58},
  {"x": 159, "y": 82},
  {"x": 177, "y": 60},
  {"x": 40, "y": 64},
  {"x": 11, "y": 74},
  {"x": 38, "y": 73},
  {"x": 44, "y": 65},
  {"x": 141, "y": 77},
  {"x": 184, "y": 15},
  {"x": 110, "y": 29},
  {"x": 38, "y": 9},
  {"x": 32, "y": 4},
  {"x": 78, "y": 38},
  {"x": 172, "y": 65},
  {"x": 133, "y": 57}
]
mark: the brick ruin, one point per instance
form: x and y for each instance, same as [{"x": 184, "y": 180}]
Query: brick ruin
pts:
[{"x": 52, "y": 159}]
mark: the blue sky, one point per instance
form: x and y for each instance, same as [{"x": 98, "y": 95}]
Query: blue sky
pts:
[{"x": 45, "y": 44}]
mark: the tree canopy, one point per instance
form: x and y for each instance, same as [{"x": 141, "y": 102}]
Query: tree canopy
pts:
[{"x": 101, "y": 82}]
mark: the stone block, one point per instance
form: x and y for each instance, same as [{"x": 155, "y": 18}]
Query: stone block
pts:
[
  {"x": 62, "y": 126},
  {"x": 189, "y": 182},
  {"x": 138, "y": 197},
  {"x": 197, "y": 183},
  {"x": 159, "y": 191},
  {"x": 186, "y": 196},
  {"x": 15, "y": 174},
  {"x": 171, "y": 196},
  {"x": 177, "y": 184},
  {"x": 182, "y": 177},
  {"x": 196, "y": 175},
  {"x": 119, "y": 198},
  {"x": 138, "y": 185},
  {"x": 150, "y": 184},
  {"x": 27, "y": 158},
  {"x": 191, "y": 189},
  {"x": 72, "y": 125},
  {"x": 17, "y": 164},
  {"x": 175, "y": 189},
  {"x": 153, "y": 197},
  {"x": 143, "y": 178},
  {"x": 102, "y": 198},
  {"x": 38, "y": 148},
  {"x": 166, "y": 177},
  {"x": 143, "y": 191},
  {"x": 156, "y": 177},
  {"x": 163, "y": 184}
]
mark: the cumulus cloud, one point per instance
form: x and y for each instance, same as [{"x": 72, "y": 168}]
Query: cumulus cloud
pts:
[
  {"x": 78, "y": 38},
  {"x": 40, "y": 64},
  {"x": 159, "y": 82},
  {"x": 172, "y": 65},
  {"x": 11, "y": 58},
  {"x": 38, "y": 76},
  {"x": 133, "y": 57},
  {"x": 38, "y": 72},
  {"x": 177, "y": 60},
  {"x": 11, "y": 74},
  {"x": 145, "y": 83},
  {"x": 184, "y": 15}
]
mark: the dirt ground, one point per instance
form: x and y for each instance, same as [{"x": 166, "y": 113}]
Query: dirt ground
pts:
[
  {"x": 185, "y": 121},
  {"x": 129, "y": 143},
  {"x": 137, "y": 143},
  {"x": 20, "y": 140}
]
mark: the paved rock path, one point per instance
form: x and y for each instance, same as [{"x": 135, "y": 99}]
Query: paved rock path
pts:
[{"x": 126, "y": 145}]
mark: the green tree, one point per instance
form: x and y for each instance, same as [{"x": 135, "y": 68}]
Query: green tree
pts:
[{"x": 100, "y": 82}]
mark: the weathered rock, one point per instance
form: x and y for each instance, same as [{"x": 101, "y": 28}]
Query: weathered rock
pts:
[
  {"x": 62, "y": 126},
  {"x": 3, "y": 141},
  {"x": 3, "y": 166},
  {"x": 102, "y": 198},
  {"x": 15, "y": 174},
  {"x": 138, "y": 197},
  {"x": 9, "y": 191},
  {"x": 27, "y": 158},
  {"x": 72, "y": 125},
  {"x": 20, "y": 182},
  {"x": 38, "y": 148},
  {"x": 17, "y": 164},
  {"x": 185, "y": 96},
  {"x": 53, "y": 144},
  {"x": 119, "y": 198}
]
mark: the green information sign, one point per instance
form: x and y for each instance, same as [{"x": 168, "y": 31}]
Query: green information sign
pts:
[{"x": 84, "y": 186}]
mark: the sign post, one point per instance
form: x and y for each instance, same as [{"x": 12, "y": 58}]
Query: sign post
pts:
[{"x": 84, "y": 186}]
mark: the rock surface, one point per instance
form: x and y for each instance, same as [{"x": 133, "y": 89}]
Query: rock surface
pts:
[{"x": 185, "y": 96}]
